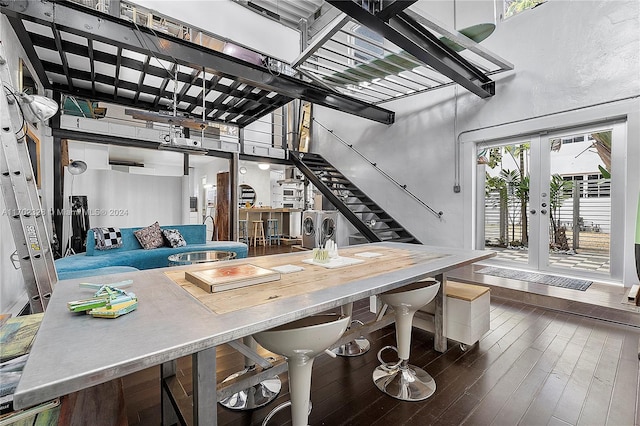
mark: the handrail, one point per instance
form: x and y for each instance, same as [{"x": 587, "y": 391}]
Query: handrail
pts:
[{"x": 403, "y": 187}]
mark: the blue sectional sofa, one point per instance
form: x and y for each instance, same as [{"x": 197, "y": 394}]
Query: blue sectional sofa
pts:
[{"x": 132, "y": 256}]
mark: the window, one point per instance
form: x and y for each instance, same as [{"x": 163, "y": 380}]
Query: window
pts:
[
  {"x": 513, "y": 7},
  {"x": 578, "y": 180},
  {"x": 598, "y": 186},
  {"x": 591, "y": 186}
]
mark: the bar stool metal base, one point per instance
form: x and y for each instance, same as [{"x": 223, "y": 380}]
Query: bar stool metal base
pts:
[
  {"x": 253, "y": 397},
  {"x": 405, "y": 382},
  {"x": 277, "y": 410},
  {"x": 356, "y": 347}
]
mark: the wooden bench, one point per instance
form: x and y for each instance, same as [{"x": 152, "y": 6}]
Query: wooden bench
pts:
[{"x": 466, "y": 313}]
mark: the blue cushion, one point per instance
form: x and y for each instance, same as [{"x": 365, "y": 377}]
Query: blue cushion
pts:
[{"x": 139, "y": 258}]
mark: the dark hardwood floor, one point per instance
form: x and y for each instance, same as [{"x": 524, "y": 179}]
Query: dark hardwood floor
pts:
[{"x": 536, "y": 366}]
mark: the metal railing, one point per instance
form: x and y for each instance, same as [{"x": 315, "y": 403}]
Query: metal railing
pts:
[{"x": 438, "y": 214}]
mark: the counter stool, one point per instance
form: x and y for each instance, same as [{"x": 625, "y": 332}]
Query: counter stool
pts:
[
  {"x": 254, "y": 396},
  {"x": 258, "y": 233},
  {"x": 272, "y": 231},
  {"x": 300, "y": 342},
  {"x": 356, "y": 347},
  {"x": 243, "y": 231},
  {"x": 401, "y": 380}
]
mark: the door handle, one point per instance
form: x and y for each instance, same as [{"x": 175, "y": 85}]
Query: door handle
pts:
[{"x": 532, "y": 211}]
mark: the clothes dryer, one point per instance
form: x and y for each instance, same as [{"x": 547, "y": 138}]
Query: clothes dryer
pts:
[
  {"x": 327, "y": 226},
  {"x": 310, "y": 228}
]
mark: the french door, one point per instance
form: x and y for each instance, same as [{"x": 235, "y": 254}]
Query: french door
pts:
[{"x": 549, "y": 202}]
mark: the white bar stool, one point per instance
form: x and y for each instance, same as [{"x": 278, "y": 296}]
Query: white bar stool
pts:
[
  {"x": 402, "y": 380},
  {"x": 300, "y": 342}
]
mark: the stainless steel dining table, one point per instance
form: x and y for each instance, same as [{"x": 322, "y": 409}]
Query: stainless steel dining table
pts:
[{"x": 72, "y": 352}]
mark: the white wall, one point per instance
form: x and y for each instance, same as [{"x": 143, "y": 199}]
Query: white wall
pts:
[
  {"x": 568, "y": 56},
  {"x": 122, "y": 199},
  {"x": 259, "y": 132},
  {"x": 260, "y": 180},
  {"x": 461, "y": 13},
  {"x": 126, "y": 199},
  {"x": 232, "y": 21}
]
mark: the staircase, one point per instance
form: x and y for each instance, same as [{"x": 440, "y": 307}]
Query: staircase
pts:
[{"x": 371, "y": 221}]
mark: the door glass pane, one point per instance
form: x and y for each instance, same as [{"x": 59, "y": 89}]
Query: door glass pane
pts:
[
  {"x": 506, "y": 198},
  {"x": 580, "y": 190}
]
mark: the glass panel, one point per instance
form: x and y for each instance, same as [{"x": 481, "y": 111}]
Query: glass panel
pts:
[
  {"x": 506, "y": 214},
  {"x": 580, "y": 214}
]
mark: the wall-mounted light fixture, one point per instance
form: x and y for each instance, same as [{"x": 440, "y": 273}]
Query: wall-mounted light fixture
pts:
[
  {"x": 263, "y": 166},
  {"x": 243, "y": 170},
  {"x": 36, "y": 108}
]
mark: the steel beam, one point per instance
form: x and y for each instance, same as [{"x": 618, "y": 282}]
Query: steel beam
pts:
[
  {"x": 92, "y": 65},
  {"x": 460, "y": 39},
  {"x": 77, "y": 20},
  {"x": 63, "y": 56},
  {"x": 409, "y": 35},
  {"x": 27, "y": 45},
  {"x": 391, "y": 8}
]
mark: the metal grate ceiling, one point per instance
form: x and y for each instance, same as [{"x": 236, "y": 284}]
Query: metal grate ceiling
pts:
[{"x": 88, "y": 54}]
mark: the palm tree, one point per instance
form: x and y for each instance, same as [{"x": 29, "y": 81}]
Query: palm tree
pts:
[
  {"x": 498, "y": 184},
  {"x": 559, "y": 190},
  {"x": 603, "y": 147},
  {"x": 523, "y": 186},
  {"x": 512, "y": 183}
]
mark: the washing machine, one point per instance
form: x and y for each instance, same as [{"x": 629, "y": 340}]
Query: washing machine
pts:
[
  {"x": 326, "y": 226},
  {"x": 309, "y": 228}
]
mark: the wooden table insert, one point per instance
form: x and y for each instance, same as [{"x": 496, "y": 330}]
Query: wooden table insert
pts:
[{"x": 313, "y": 278}]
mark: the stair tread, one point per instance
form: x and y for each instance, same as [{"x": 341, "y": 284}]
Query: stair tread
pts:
[
  {"x": 312, "y": 164},
  {"x": 381, "y": 230}
]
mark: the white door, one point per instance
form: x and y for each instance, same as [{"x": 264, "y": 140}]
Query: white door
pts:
[{"x": 553, "y": 202}]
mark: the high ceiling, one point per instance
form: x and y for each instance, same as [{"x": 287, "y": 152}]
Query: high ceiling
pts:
[{"x": 356, "y": 58}]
